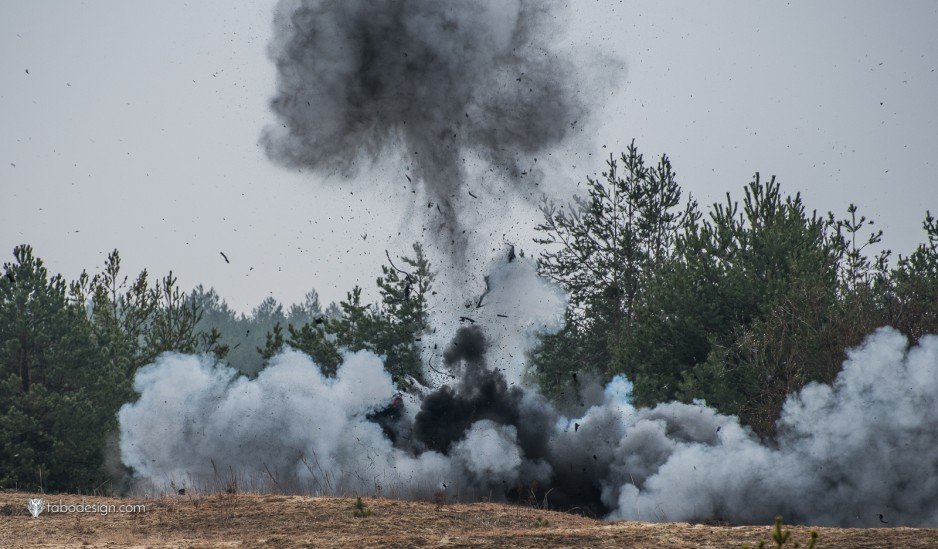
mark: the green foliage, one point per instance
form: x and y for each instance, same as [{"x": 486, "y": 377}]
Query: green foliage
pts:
[
  {"x": 781, "y": 537},
  {"x": 603, "y": 251},
  {"x": 313, "y": 340},
  {"x": 402, "y": 317},
  {"x": 739, "y": 307},
  {"x": 68, "y": 353},
  {"x": 360, "y": 509},
  {"x": 55, "y": 382},
  {"x": 392, "y": 328},
  {"x": 273, "y": 343}
]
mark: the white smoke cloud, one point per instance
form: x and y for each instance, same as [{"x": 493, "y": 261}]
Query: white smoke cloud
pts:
[
  {"x": 490, "y": 451},
  {"x": 845, "y": 454},
  {"x": 197, "y": 422},
  {"x": 516, "y": 305}
]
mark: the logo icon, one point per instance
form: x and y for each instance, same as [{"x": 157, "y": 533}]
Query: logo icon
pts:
[{"x": 35, "y": 506}]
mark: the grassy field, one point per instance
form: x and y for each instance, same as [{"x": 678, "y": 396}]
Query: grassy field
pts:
[{"x": 247, "y": 520}]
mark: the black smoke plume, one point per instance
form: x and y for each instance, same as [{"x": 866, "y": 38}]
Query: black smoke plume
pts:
[
  {"x": 482, "y": 393},
  {"x": 430, "y": 81}
]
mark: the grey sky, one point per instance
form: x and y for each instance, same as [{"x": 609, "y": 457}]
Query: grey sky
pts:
[{"x": 137, "y": 125}]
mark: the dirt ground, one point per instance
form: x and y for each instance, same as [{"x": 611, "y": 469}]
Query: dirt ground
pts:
[{"x": 247, "y": 520}]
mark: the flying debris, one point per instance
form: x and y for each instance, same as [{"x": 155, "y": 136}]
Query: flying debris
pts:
[
  {"x": 485, "y": 293},
  {"x": 355, "y": 81}
]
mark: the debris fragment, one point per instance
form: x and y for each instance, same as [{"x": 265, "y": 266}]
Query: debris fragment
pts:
[{"x": 485, "y": 293}]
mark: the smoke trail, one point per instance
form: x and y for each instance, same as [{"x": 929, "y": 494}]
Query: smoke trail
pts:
[
  {"x": 437, "y": 83},
  {"x": 846, "y": 453}
]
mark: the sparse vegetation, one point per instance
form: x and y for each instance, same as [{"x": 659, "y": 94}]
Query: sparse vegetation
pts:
[
  {"x": 361, "y": 510},
  {"x": 781, "y": 536},
  {"x": 293, "y": 521}
]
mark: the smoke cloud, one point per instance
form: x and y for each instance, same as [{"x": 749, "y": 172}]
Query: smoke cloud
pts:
[
  {"x": 439, "y": 84},
  {"x": 443, "y": 85},
  {"x": 846, "y": 453}
]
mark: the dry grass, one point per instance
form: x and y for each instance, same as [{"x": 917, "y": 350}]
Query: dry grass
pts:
[{"x": 247, "y": 520}]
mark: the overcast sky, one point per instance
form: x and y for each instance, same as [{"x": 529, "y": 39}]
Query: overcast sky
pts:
[{"x": 137, "y": 126}]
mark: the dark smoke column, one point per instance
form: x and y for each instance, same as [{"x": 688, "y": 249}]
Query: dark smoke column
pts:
[{"x": 432, "y": 81}]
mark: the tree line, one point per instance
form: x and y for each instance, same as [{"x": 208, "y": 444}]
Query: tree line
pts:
[
  {"x": 738, "y": 305},
  {"x": 69, "y": 351}
]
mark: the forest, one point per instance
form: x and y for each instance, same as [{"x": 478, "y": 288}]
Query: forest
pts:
[{"x": 738, "y": 304}]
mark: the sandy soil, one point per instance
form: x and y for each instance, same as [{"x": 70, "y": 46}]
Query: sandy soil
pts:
[{"x": 246, "y": 520}]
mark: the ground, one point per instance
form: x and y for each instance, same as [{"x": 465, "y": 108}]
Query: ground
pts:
[{"x": 248, "y": 520}]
